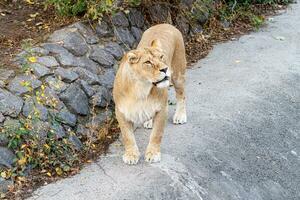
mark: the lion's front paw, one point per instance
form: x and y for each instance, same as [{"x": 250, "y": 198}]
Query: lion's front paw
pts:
[
  {"x": 148, "y": 124},
  {"x": 131, "y": 157},
  {"x": 152, "y": 155},
  {"x": 180, "y": 117}
]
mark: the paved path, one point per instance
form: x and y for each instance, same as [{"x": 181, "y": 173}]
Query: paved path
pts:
[{"x": 242, "y": 139}]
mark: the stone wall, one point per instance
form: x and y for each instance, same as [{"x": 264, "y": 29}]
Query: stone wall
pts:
[{"x": 70, "y": 77}]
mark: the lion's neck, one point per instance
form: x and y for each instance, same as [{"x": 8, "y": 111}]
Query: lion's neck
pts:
[{"x": 138, "y": 88}]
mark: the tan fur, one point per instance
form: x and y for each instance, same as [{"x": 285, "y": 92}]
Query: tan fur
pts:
[{"x": 138, "y": 100}]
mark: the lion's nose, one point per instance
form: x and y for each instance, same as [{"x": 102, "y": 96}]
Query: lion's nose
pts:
[{"x": 164, "y": 70}]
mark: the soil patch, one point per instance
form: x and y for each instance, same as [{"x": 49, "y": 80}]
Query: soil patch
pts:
[{"x": 21, "y": 20}]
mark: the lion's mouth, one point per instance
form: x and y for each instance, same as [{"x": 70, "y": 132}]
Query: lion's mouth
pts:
[{"x": 164, "y": 79}]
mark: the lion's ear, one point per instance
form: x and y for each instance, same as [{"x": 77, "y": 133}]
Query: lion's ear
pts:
[
  {"x": 133, "y": 57},
  {"x": 156, "y": 44}
]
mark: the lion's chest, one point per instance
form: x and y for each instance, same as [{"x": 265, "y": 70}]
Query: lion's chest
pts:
[{"x": 139, "y": 112}]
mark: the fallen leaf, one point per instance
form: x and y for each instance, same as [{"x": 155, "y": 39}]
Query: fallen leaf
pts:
[
  {"x": 34, "y": 15},
  {"x": 59, "y": 171},
  {"x": 32, "y": 59},
  {"x": 3, "y": 174},
  {"x": 31, "y": 2},
  {"x": 39, "y": 23}
]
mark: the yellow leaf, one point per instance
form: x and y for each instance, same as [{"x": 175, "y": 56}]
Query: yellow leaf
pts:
[
  {"x": 32, "y": 59},
  {"x": 49, "y": 174},
  {"x": 59, "y": 171},
  {"x": 46, "y": 146},
  {"x": 3, "y": 174},
  {"x": 22, "y": 161},
  {"x": 22, "y": 179},
  {"x": 31, "y": 2},
  {"x": 34, "y": 15}
]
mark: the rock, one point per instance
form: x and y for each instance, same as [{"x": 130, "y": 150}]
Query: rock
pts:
[
  {"x": 160, "y": 13},
  {"x": 88, "y": 64},
  {"x": 182, "y": 24},
  {"x": 63, "y": 55},
  {"x": 11, "y": 124},
  {"x": 100, "y": 118},
  {"x": 114, "y": 49},
  {"x": 87, "y": 32},
  {"x": 48, "y": 61},
  {"x": 136, "y": 18},
  {"x": 23, "y": 84},
  {"x": 41, "y": 129},
  {"x": 5, "y": 184},
  {"x": 89, "y": 90},
  {"x": 20, "y": 58},
  {"x": 81, "y": 130},
  {"x": 75, "y": 44},
  {"x": 86, "y": 75},
  {"x": 75, "y": 99},
  {"x": 58, "y": 130},
  {"x": 137, "y": 33},
  {"x": 71, "y": 40},
  {"x": 102, "y": 57},
  {"x": 39, "y": 51},
  {"x": 65, "y": 117},
  {"x": 66, "y": 59},
  {"x": 3, "y": 140},
  {"x": 107, "y": 79},
  {"x": 196, "y": 29},
  {"x": 66, "y": 75},
  {"x": 6, "y": 157},
  {"x": 2, "y": 118},
  {"x": 120, "y": 19},
  {"x": 123, "y": 35},
  {"x": 53, "y": 100},
  {"x": 102, "y": 98},
  {"x": 39, "y": 70},
  {"x": 200, "y": 15},
  {"x": 10, "y": 104},
  {"x": 31, "y": 107},
  {"x": 75, "y": 141},
  {"x": 103, "y": 29},
  {"x": 54, "y": 48},
  {"x": 55, "y": 84},
  {"x": 225, "y": 24},
  {"x": 6, "y": 74}
]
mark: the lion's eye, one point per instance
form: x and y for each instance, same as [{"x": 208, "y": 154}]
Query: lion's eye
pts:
[{"x": 162, "y": 57}]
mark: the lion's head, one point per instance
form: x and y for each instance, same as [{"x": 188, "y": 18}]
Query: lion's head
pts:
[{"x": 149, "y": 65}]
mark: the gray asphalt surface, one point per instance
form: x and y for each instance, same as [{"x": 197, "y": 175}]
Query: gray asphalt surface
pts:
[{"x": 242, "y": 139}]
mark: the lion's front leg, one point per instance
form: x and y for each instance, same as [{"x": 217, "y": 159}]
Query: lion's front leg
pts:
[
  {"x": 153, "y": 149},
  {"x": 132, "y": 154}
]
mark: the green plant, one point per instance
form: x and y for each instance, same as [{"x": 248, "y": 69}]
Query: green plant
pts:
[
  {"x": 68, "y": 7},
  {"x": 93, "y": 9},
  {"x": 257, "y": 21}
]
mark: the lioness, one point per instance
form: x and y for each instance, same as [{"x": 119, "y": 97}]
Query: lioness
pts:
[{"x": 141, "y": 88}]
